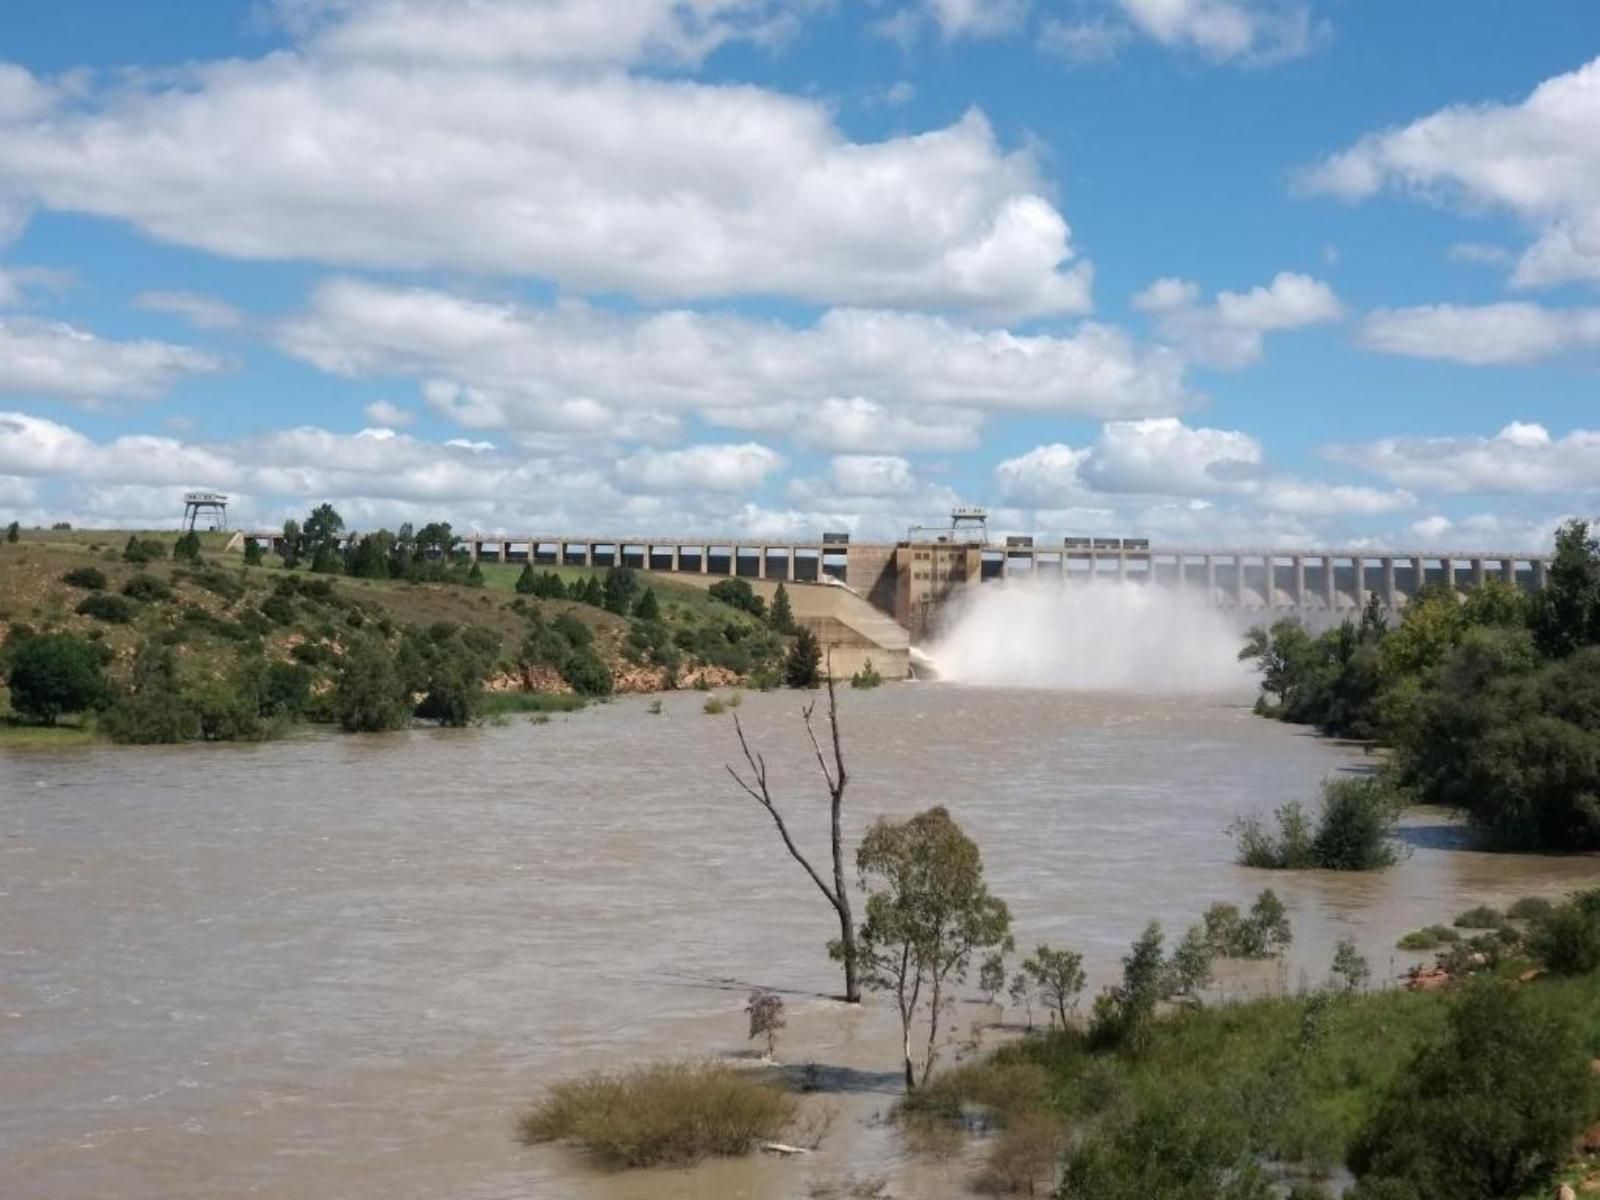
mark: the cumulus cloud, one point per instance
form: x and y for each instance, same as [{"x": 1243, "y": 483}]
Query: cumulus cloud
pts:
[
  {"x": 533, "y": 32},
  {"x": 978, "y": 18},
  {"x": 201, "y": 311},
  {"x": 1230, "y": 332},
  {"x": 1522, "y": 457},
  {"x": 859, "y": 375},
  {"x": 19, "y": 284},
  {"x": 872, "y": 475},
  {"x": 387, "y": 415},
  {"x": 1481, "y": 334},
  {"x": 717, "y": 468},
  {"x": 602, "y": 181},
  {"x": 1538, "y": 160},
  {"x": 1247, "y": 30},
  {"x": 40, "y": 358}
]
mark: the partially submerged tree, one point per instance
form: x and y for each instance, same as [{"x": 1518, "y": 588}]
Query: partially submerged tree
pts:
[
  {"x": 836, "y": 778},
  {"x": 1057, "y": 977},
  {"x": 765, "y": 1010},
  {"x": 928, "y": 911}
]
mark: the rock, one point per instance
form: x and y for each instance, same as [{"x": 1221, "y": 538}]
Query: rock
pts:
[
  {"x": 1591, "y": 1140},
  {"x": 1565, "y": 1192},
  {"x": 1594, "y": 1066},
  {"x": 1590, "y": 1185},
  {"x": 1529, "y": 976},
  {"x": 787, "y": 1150},
  {"x": 1428, "y": 979}
]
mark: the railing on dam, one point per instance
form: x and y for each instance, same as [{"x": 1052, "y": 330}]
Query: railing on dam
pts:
[{"x": 1328, "y": 580}]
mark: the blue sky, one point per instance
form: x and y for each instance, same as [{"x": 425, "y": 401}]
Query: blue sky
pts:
[{"x": 1212, "y": 271}]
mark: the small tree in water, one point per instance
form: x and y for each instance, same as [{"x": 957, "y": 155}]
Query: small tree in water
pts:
[
  {"x": 928, "y": 912},
  {"x": 803, "y": 667},
  {"x": 992, "y": 977},
  {"x": 1057, "y": 977},
  {"x": 836, "y": 778},
  {"x": 765, "y": 1010}
]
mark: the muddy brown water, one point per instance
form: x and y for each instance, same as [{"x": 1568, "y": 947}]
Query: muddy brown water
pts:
[{"x": 338, "y": 967}]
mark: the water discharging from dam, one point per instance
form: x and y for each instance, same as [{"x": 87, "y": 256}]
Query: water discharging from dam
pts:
[{"x": 1108, "y": 637}]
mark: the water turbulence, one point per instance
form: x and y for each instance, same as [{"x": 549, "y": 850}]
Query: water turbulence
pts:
[{"x": 1099, "y": 637}]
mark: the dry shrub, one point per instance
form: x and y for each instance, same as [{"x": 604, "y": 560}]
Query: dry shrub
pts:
[
  {"x": 933, "y": 1136},
  {"x": 1024, "y": 1157},
  {"x": 668, "y": 1113}
]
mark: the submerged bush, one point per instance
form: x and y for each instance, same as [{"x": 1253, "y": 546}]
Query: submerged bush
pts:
[
  {"x": 1430, "y": 938},
  {"x": 1481, "y": 917},
  {"x": 1354, "y": 832},
  {"x": 666, "y": 1114}
]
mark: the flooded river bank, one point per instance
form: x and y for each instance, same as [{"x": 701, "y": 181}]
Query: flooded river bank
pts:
[{"x": 338, "y": 967}]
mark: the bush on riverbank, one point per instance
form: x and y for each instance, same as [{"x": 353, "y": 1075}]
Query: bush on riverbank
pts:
[
  {"x": 1355, "y": 831},
  {"x": 669, "y": 1114}
]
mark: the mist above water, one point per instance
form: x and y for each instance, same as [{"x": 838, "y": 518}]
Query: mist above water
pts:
[{"x": 1099, "y": 637}]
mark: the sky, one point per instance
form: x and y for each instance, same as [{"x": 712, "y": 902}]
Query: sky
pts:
[{"x": 1237, "y": 273}]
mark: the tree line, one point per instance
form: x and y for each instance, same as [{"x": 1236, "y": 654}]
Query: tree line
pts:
[{"x": 1490, "y": 701}]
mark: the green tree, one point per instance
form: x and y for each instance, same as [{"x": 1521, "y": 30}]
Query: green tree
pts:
[
  {"x": 155, "y": 710},
  {"x": 475, "y": 575},
  {"x": 52, "y": 674},
  {"x": 781, "y": 615},
  {"x": 368, "y": 696},
  {"x": 1189, "y": 970},
  {"x": 928, "y": 911},
  {"x": 322, "y": 530},
  {"x": 992, "y": 976},
  {"x": 13, "y": 533},
  {"x": 1350, "y": 970},
  {"x": 527, "y": 584},
  {"x": 454, "y": 692},
  {"x": 803, "y": 667},
  {"x": 618, "y": 590},
  {"x": 1122, "y": 1014},
  {"x": 1488, "y": 1110},
  {"x": 647, "y": 607},
  {"x": 1056, "y": 976},
  {"x": 1566, "y": 612},
  {"x": 187, "y": 547},
  {"x": 293, "y": 545},
  {"x": 252, "y": 552}
]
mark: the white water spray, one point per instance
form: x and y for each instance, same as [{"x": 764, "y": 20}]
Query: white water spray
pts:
[{"x": 1099, "y": 637}]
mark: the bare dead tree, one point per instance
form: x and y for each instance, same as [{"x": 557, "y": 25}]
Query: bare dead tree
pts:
[{"x": 836, "y": 778}]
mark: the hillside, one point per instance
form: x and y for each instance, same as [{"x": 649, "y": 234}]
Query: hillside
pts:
[{"x": 215, "y": 618}]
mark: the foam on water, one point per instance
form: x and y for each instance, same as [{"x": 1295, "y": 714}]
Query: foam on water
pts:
[{"x": 1104, "y": 637}]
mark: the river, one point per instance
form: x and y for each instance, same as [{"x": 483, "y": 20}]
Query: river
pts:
[{"x": 340, "y": 966}]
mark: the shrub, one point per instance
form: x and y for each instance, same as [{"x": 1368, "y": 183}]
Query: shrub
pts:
[
  {"x": 737, "y": 593},
  {"x": 143, "y": 550},
  {"x": 1354, "y": 832},
  {"x": 187, "y": 547},
  {"x": 52, "y": 674},
  {"x": 90, "y": 579},
  {"x": 278, "y": 608},
  {"x": 585, "y": 673},
  {"x": 146, "y": 587},
  {"x": 368, "y": 697},
  {"x": 866, "y": 677},
  {"x": 1566, "y": 940},
  {"x": 1530, "y": 908},
  {"x": 1481, "y": 917},
  {"x": 1025, "y": 1155},
  {"x": 714, "y": 706},
  {"x": 1430, "y": 938},
  {"x": 1265, "y": 933},
  {"x": 113, "y": 610},
  {"x": 1489, "y": 1110},
  {"x": 671, "y": 1114}
]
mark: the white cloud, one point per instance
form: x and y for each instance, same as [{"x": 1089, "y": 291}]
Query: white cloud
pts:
[
  {"x": 1538, "y": 159},
  {"x": 1044, "y": 477},
  {"x": 533, "y": 32},
  {"x": 1481, "y": 334},
  {"x": 1306, "y": 498},
  {"x": 48, "y": 359},
  {"x": 1230, "y": 332},
  {"x": 872, "y": 475},
  {"x": 1163, "y": 456},
  {"x": 978, "y": 18},
  {"x": 1082, "y": 41},
  {"x": 201, "y": 311},
  {"x": 724, "y": 468},
  {"x": 871, "y": 373},
  {"x": 1522, "y": 457},
  {"x": 1248, "y": 30},
  {"x": 391, "y": 416},
  {"x": 17, "y": 284},
  {"x": 662, "y": 188}
]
